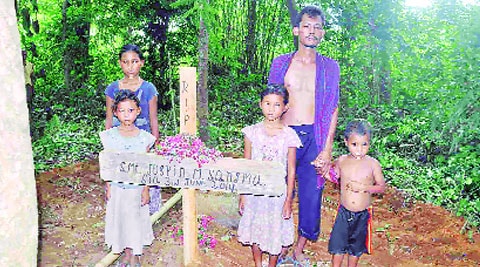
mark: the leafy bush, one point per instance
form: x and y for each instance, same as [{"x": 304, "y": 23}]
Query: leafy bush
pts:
[
  {"x": 417, "y": 160},
  {"x": 87, "y": 105},
  {"x": 65, "y": 142},
  {"x": 233, "y": 104}
]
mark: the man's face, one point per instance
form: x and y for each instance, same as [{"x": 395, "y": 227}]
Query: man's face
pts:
[{"x": 310, "y": 31}]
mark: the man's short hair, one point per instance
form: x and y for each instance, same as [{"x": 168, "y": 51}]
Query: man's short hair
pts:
[{"x": 312, "y": 12}]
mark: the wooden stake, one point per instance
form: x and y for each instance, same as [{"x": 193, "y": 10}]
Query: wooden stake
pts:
[{"x": 188, "y": 124}]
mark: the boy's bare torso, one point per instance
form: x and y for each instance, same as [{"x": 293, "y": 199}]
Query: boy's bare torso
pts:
[
  {"x": 356, "y": 176},
  {"x": 300, "y": 83}
]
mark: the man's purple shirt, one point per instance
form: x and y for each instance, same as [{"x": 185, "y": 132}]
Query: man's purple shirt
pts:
[{"x": 326, "y": 91}]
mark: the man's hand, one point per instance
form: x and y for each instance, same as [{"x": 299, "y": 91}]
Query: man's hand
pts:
[{"x": 322, "y": 163}]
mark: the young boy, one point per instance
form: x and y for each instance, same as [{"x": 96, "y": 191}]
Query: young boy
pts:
[{"x": 360, "y": 175}]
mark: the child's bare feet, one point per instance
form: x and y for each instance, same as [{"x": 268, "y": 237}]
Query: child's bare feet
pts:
[
  {"x": 283, "y": 255},
  {"x": 123, "y": 261},
  {"x": 126, "y": 258},
  {"x": 301, "y": 259},
  {"x": 135, "y": 261}
]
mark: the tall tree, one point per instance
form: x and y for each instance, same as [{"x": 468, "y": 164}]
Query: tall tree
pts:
[
  {"x": 251, "y": 47},
  {"x": 157, "y": 29},
  {"x": 18, "y": 200},
  {"x": 202, "y": 109},
  {"x": 76, "y": 37},
  {"x": 293, "y": 15}
]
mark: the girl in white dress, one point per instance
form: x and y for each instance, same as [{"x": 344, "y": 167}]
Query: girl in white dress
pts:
[
  {"x": 128, "y": 227},
  {"x": 266, "y": 224}
]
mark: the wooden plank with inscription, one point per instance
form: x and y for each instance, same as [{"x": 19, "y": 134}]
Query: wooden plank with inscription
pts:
[{"x": 226, "y": 174}]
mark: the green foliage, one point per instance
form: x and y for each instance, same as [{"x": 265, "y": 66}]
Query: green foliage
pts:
[
  {"x": 227, "y": 26},
  {"x": 453, "y": 182},
  {"x": 411, "y": 72},
  {"x": 233, "y": 104},
  {"x": 65, "y": 142},
  {"x": 168, "y": 122},
  {"x": 87, "y": 105}
]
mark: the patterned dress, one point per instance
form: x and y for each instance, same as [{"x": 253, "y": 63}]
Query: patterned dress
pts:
[{"x": 262, "y": 222}]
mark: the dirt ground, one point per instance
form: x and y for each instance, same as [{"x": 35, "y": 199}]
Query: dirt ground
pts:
[{"x": 406, "y": 233}]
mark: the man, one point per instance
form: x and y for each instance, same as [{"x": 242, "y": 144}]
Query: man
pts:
[
  {"x": 312, "y": 81},
  {"x": 28, "y": 72}
]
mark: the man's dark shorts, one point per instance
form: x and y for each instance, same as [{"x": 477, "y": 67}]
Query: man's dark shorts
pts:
[
  {"x": 309, "y": 196},
  {"x": 349, "y": 233}
]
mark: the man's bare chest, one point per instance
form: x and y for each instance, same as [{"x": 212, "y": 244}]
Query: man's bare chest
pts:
[{"x": 300, "y": 81}]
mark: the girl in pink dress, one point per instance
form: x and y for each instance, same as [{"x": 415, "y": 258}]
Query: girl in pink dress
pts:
[{"x": 266, "y": 224}]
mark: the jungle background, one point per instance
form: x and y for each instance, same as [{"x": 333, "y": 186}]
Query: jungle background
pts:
[{"x": 412, "y": 72}]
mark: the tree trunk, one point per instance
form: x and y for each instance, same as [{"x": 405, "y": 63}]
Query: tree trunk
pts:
[
  {"x": 76, "y": 37},
  {"x": 293, "y": 15},
  {"x": 271, "y": 38},
  {"x": 202, "y": 105},
  {"x": 380, "y": 74},
  {"x": 158, "y": 57},
  {"x": 251, "y": 48},
  {"x": 18, "y": 200}
]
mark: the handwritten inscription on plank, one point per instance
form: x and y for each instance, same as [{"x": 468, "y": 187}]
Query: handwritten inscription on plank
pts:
[{"x": 227, "y": 174}]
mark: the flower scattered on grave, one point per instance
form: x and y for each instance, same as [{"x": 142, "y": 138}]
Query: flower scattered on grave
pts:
[
  {"x": 204, "y": 239},
  {"x": 176, "y": 232},
  {"x": 181, "y": 146}
]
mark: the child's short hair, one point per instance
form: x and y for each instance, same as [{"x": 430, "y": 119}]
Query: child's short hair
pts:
[
  {"x": 123, "y": 95},
  {"x": 360, "y": 127},
  {"x": 276, "y": 89}
]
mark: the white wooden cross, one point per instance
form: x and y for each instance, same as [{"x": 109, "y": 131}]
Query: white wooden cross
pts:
[{"x": 226, "y": 174}]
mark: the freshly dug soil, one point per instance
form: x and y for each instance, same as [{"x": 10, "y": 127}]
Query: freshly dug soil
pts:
[{"x": 406, "y": 233}]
